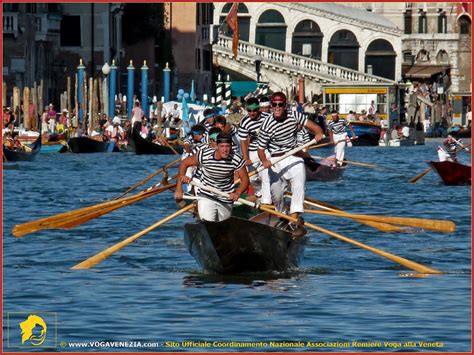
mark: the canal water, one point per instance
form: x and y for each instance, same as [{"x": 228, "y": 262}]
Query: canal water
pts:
[{"x": 152, "y": 296}]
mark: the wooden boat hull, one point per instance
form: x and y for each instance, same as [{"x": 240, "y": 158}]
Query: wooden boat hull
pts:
[
  {"x": 20, "y": 155},
  {"x": 88, "y": 145},
  {"x": 368, "y": 133},
  {"x": 452, "y": 173},
  {"x": 52, "y": 147},
  {"x": 322, "y": 171},
  {"x": 238, "y": 245},
  {"x": 142, "y": 146}
]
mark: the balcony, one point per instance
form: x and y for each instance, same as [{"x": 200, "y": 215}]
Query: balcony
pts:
[
  {"x": 10, "y": 23},
  {"x": 47, "y": 27}
]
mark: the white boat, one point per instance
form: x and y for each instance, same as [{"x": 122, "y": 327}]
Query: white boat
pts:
[{"x": 397, "y": 143}]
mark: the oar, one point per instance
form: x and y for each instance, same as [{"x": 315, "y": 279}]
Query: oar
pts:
[
  {"x": 383, "y": 227},
  {"x": 430, "y": 224},
  {"x": 21, "y": 230},
  {"x": 418, "y": 177},
  {"x": 173, "y": 150},
  {"x": 148, "y": 178},
  {"x": 397, "y": 259},
  {"x": 460, "y": 144},
  {"x": 351, "y": 162},
  {"x": 94, "y": 260}
]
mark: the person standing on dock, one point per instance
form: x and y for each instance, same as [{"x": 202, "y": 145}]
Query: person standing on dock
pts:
[
  {"x": 338, "y": 136},
  {"x": 278, "y": 134},
  {"x": 218, "y": 168}
]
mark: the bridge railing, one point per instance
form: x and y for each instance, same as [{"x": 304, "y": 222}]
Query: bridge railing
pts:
[{"x": 297, "y": 63}]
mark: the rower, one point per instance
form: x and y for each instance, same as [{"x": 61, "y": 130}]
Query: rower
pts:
[
  {"x": 338, "y": 136},
  {"x": 278, "y": 133},
  {"x": 248, "y": 133},
  {"x": 218, "y": 168},
  {"x": 448, "y": 151},
  {"x": 193, "y": 139}
]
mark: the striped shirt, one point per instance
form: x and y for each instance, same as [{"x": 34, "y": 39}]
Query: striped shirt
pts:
[
  {"x": 280, "y": 136},
  {"x": 249, "y": 129},
  {"x": 233, "y": 133},
  {"x": 218, "y": 173},
  {"x": 338, "y": 127}
]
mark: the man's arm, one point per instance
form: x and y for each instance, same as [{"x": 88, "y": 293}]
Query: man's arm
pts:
[
  {"x": 185, "y": 164},
  {"x": 315, "y": 129},
  {"x": 244, "y": 147},
  {"x": 244, "y": 184},
  {"x": 263, "y": 158}
]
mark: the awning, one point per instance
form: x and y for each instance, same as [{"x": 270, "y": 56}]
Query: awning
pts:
[
  {"x": 425, "y": 71},
  {"x": 242, "y": 88}
]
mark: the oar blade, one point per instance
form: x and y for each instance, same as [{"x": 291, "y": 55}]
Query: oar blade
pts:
[{"x": 419, "y": 176}]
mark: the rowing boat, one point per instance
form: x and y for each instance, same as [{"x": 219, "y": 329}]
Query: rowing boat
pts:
[
  {"x": 22, "y": 155},
  {"x": 368, "y": 134},
  {"x": 142, "y": 146},
  {"x": 452, "y": 173},
  {"x": 324, "y": 170},
  {"x": 238, "y": 245},
  {"x": 89, "y": 145}
]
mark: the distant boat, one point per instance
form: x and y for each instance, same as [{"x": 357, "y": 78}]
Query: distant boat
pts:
[
  {"x": 397, "y": 143},
  {"x": 324, "y": 170},
  {"x": 368, "y": 134},
  {"x": 22, "y": 155},
  {"x": 89, "y": 145},
  {"x": 53, "y": 147},
  {"x": 143, "y": 146},
  {"x": 452, "y": 173}
]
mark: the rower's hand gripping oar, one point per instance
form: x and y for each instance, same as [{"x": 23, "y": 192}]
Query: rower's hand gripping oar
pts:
[{"x": 397, "y": 259}]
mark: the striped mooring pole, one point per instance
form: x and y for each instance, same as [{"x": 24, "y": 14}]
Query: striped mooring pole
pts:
[
  {"x": 263, "y": 88},
  {"x": 219, "y": 87},
  {"x": 227, "y": 94}
]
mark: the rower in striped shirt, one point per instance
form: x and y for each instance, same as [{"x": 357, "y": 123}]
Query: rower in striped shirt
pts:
[
  {"x": 278, "y": 133},
  {"x": 248, "y": 133},
  {"x": 218, "y": 168},
  {"x": 338, "y": 136},
  {"x": 194, "y": 138}
]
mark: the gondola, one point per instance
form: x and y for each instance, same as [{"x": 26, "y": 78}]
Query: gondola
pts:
[
  {"x": 239, "y": 245},
  {"x": 22, "y": 155},
  {"x": 452, "y": 173},
  {"x": 89, "y": 145},
  {"x": 324, "y": 170},
  {"x": 143, "y": 146},
  {"x": 368, "y": 134}
]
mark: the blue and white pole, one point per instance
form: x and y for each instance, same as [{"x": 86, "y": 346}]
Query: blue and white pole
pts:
[
  {"x": 112, "y": 88},
  {"x": 166, "y": 83},
  {"x": 144, "y": 104},
  {"x": 228, "y": 95},
  {"x": 80, "y": 88},
  {"x": 130, "y": 88}
]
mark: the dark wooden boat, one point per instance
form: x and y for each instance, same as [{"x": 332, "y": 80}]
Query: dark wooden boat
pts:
[
  {"x": 143, "y": 146},
  {"x": 324, "y": 170},
  {"x": 243, "y": 245},
  {"x": 452, "y": 173},
  {"x": 368, "y": 133},
  {"x": 22, "y": 155},
  {"x": 89, "y": 145}
]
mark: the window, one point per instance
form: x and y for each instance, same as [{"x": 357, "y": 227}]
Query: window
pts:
[
  {"x": 422, "y": 23},
  {"x": 206, "y": 60},
  {"x": 464, "y": 25},
  {"x": 198, "y": 59},
  {"x": 408, "y": 21},
  {"x": 442, "y": 23},
  {"x": 70, "y": 31},
  {"x": 10, "y": 7}
]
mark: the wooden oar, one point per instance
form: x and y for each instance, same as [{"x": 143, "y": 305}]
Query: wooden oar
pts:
[
  {"x": 383, "y": 227},
  {"x": 94, "y": 260},
  {"x": 172, "y": 149},
  {"x": 397, "y": 259},
  {"x": 351, "y": 162},
  {"x": 430, "y": 224},
  {"x": 148, "y": 178},
  {"x": 21, "y": 230}
]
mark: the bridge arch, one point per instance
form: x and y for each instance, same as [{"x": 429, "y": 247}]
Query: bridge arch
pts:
[
  {"x": 344, "y": 49},
  {"x": 271, "y": 30},
  {"x": 307, "y": 39}
]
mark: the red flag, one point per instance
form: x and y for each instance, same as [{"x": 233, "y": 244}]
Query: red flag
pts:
[{"x": 232, "y": 22}]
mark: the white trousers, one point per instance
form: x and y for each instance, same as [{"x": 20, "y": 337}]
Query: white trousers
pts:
[
  {"x": 213, "y": 211},
  {"x": 257, "y": 180},
  {"x": 445, "y": 156},
  {"x": 291, "y": 171},
  {"x": 340, "y": 148}
]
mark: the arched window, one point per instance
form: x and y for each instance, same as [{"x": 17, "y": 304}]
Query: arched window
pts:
[
  {"x": 243, "y": 19},
  {"x": 307, "y": 39},
  {"x": 442, "y": 57},
  {"x": 408, "y": 58},
  {"x": 380, "y": 56},
  {"x": 344, "y": 50},
  {"x": 464, "y": 23},
  {"x": 423, "y": 56},
  {"x": 271, "y": 30}
]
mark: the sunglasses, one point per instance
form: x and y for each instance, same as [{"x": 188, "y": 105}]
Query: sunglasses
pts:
[
  {"x": 256, "y": 110},
  {"x": 278, "y": 104}
]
